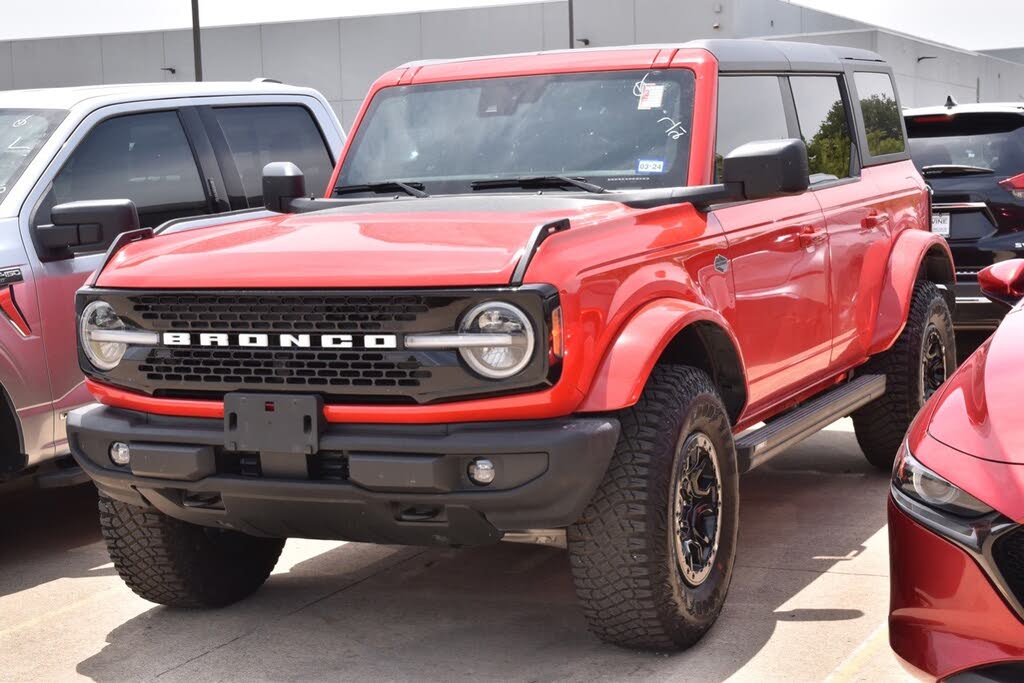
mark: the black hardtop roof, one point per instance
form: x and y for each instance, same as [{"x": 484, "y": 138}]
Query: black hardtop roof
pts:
[
  {"x": 779, "y": 55},
  {"x": 739, "y": 54}
]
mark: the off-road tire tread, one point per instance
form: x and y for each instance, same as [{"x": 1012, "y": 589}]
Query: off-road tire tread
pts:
[
  {"x": 615, "y": 565},
  {"x": 170, "y": 562},
  {"x": 881, "y": 425}
]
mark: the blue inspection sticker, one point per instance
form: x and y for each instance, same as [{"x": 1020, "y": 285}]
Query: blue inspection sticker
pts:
[{"x": 650, "y": 166}]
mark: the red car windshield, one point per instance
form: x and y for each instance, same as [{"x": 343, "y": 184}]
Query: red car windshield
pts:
[{"x": 618, "y": 129}]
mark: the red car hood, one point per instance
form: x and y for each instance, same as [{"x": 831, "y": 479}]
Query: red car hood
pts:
[
  {"x": 442, "y": 242},
  {"x": 979, "y": 410}
]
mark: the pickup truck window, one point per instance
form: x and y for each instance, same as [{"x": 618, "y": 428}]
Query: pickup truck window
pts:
[
  {"x": 619, "y": 129},
  {"x": 749, "y": 108},
  {"x": 259, "y": 135},
  {"x": 824, "y": 125},
  {"x": 882, "y": 118},
  {"x": 142, "y": 157},
  {"x": 22, "y": 133}
]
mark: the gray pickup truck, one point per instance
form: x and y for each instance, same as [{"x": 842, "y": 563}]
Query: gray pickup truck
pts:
[{"x": 186, "y": 154}]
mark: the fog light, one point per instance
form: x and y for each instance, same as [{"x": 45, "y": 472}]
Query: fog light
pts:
[
  {"x": 120, "y": 454},
  {"x": 481, "y": 471}
]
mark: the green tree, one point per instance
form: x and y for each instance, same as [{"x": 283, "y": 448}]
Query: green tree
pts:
[{"x": 829, "y": 150}]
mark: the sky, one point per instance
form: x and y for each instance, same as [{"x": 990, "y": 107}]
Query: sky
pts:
[{"x": 975, "y": 25}]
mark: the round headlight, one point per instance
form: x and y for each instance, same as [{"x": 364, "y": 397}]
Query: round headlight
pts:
[
  {"x": 100, "y": 316},
  {"x": 499, "y": 360}
]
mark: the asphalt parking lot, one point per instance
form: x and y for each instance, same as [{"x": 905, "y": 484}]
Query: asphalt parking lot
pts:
[{"x": 808, "y": 600}]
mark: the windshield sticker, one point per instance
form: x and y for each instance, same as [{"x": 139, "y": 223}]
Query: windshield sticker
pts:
[
  {"x": 644, "y": 166},
  {"x": 651, "y": 96}
]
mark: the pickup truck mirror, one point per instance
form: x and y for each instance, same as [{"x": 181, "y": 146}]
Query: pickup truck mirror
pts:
[
  {"x": 767, "y": 168},
  {"x": 1003, "y": 282},
  {"x": 283, "y": 181},
  {"x": 86, "y": 225}
]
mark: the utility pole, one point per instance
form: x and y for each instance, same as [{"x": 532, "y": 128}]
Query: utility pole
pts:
[
  {"x": 197, "y": 43},
  {"x": 572, "y": 27}
]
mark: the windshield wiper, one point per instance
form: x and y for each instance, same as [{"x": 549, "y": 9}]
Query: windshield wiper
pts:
[
  {"x": 953, "y": 169},
  {"x": 537, "y": 181},
  {"x": 411, "y": 189}
]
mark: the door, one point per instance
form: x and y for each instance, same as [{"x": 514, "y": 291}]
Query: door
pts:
[
  {"x": 778, "y": 255},
  {"x": 145, "y": 157},
  {"x": 859, "y": 226}
]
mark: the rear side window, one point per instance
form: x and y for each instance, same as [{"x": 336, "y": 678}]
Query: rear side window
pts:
[
  {"x": 142, "y": 157},
  {"x": 257, "y": 136},
  {"x": 824, "y": 126},
  {"x": 882, "y": 118},
  {"x": 749, "y": 108},
  {"x": 976, "y": 142}
]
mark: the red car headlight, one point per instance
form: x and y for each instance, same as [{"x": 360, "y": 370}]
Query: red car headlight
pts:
[{"x": 915, "y": 480}]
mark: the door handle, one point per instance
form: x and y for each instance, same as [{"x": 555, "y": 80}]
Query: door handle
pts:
[
  {"x": 874, "y": 219},
  {"x": 812, "y": 238}
]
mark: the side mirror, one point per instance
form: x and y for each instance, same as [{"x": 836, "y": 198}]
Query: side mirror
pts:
[
  {"x": 87, "y": 225},
  {"x": 282, "y": 182},
  {"x": 1003, "y": 282},
  {"x": 768, "y": 168}
]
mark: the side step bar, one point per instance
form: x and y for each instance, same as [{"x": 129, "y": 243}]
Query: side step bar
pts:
[{"x": 756, "y": 448}]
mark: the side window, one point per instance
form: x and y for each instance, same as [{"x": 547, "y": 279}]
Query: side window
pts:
[
  {"x": 824, "y": 125},
  {"x": 749, "y": 108},
  {"x": 257, "y": 136},
  {"x": 882, "y": 118},
  {"x": 142, "y": 157}
]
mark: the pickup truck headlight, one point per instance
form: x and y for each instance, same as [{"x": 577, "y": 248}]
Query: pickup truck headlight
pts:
[
  {"x": 105, "y": 337},
  {"x": 917, "y": 481},
  {"x": 510, "y": 335}
]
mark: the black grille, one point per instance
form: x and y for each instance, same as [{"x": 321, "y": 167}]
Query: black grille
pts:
[
  {"x": 245, "y": 313},
  {"x": 363, "y": 373},
  {"x": 1008, "y": 554},
  {"x": 301, "y": 369}
]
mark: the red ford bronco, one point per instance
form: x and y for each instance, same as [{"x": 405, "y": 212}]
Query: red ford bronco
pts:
[{"x": 559, "y": 298}]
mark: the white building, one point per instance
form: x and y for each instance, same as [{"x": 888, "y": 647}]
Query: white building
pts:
[{"x": 342, "y": 56}]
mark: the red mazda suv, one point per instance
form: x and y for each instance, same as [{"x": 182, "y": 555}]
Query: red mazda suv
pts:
[{"x": 956, "y": 514}]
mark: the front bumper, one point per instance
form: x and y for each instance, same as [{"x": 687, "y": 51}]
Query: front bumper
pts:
[
  {"x": 394, "y": 483},
  {"x": 945, "y": 615}
]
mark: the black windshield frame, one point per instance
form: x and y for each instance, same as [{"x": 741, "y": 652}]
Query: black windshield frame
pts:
[{"x": 657, "y": 143}]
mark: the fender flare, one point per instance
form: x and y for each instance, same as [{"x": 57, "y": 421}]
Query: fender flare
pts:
[
  {"x": 916, "y": 254},
  {"x": 631, "y": 356}
]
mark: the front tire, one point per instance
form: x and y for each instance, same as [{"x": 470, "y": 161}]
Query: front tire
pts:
[
  {"x": 652, "y": 555},
  {"x": 922, "y": 358},
  {"x": 170, "y": 562}
]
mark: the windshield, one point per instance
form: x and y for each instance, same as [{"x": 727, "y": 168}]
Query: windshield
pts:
[
  {"x": 620, "y": 129},
  {"x": 22, "y": 133},
  {"x": 978, "y": 141}
]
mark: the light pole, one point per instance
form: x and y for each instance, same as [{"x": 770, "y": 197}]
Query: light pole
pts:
[
  {"x": 197, "y": 43},
  {"x": 572, "y": 27}
]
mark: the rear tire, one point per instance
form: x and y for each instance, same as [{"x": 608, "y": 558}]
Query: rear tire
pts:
[
  {"x": 922, "y": 358},
  {"x": 171, "y": 562},
  {"x": 653, "y": 553}
]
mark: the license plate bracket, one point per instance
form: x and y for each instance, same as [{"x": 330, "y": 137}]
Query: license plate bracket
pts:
[
  {"x": 940, "y": 224},
  {"x": 273, "y": 423}
]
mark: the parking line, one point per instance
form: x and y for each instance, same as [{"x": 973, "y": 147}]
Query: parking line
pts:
[{"x": 861, "y": 655}]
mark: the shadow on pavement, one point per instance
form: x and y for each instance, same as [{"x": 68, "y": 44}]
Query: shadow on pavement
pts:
[
  {"x": 509, "y": 612},
  {"x": 38, "y": 527}
]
